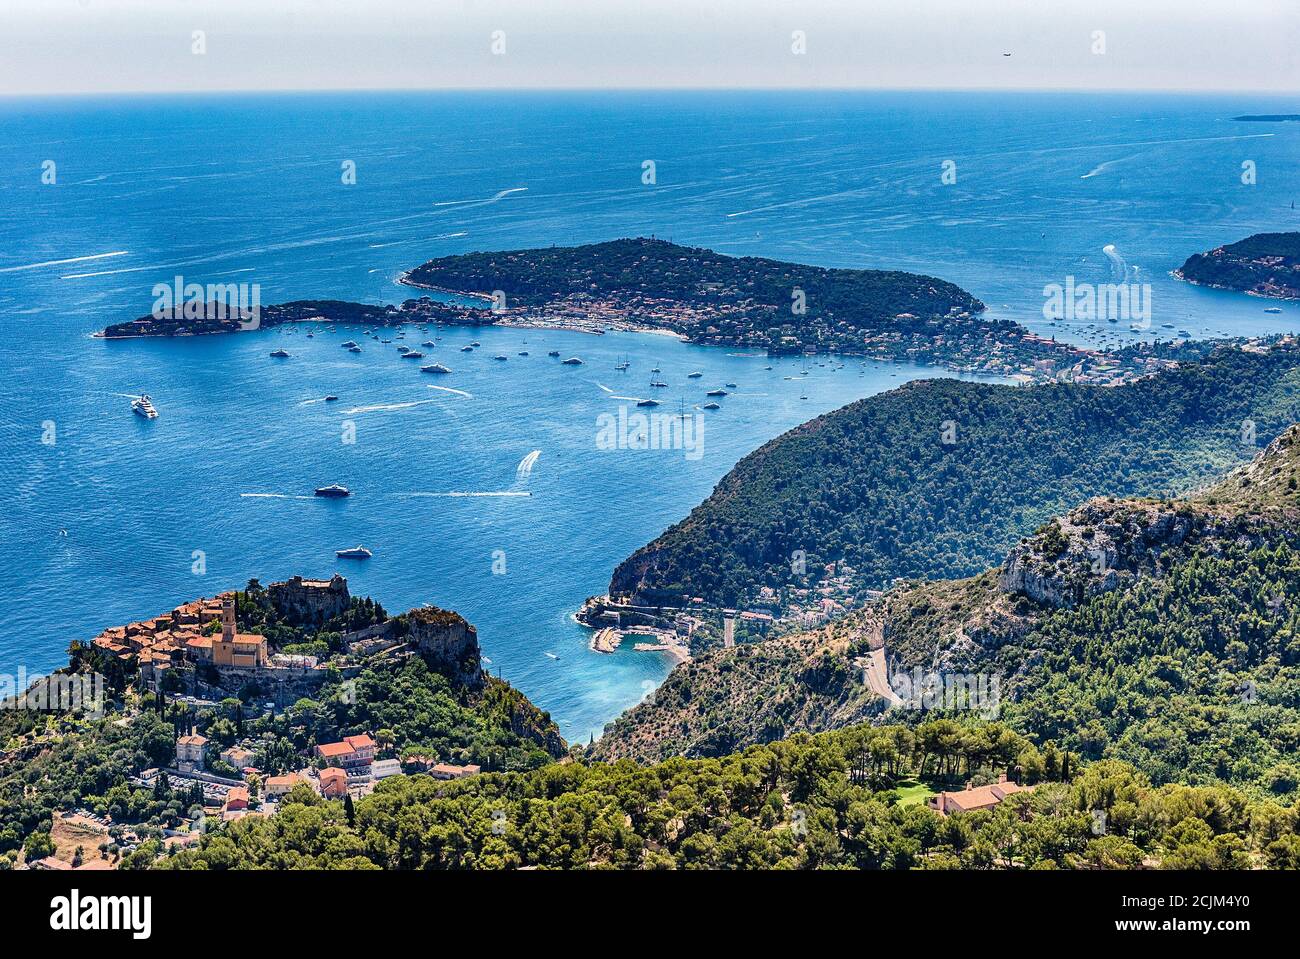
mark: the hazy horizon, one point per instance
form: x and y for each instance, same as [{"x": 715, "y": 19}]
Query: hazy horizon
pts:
[{"x": 206, "y": 46}]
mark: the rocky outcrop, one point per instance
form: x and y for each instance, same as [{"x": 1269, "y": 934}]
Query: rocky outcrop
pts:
[
  {"x": 447, "y": 642},
  {"x": 1104, "y": 545},
  {"x": 310, "y": 602}
]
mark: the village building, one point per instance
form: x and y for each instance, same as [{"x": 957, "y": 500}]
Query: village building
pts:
[
  {"x": 333, "y": 782},
  {"x": 980, "y": 797},
  {"x": 276, "y": 786},
  {"x": 448, "y": 771},
  {"x": 351, "y": 753},
  {"x": 237, "y": 649},
  {"x": 191, "y": 752},
  {"x": 238, "y": 756},
  {"x": 383, "y": 768}
]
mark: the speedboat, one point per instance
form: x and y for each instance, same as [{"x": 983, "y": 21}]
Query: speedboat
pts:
[
  {"x": 716, "y": 393},
  {"x": 553, "y": 353},
  {"x": 647, "y": 402},
  {"x": 467, "y": 349},
  {"x": 280, "y": 354},
  {"x": 434, "y": 368},
  {"x": 354, "y": 349},
  {"x": 711, "y": 406},
  {"x": 1273, "y": 309},
  {"x": 331, "y": 398},
  {"x": 333, "y": 491},
  {"x": 356, "y": 552},
  {"x": 696, "y": 375},
  {"x": 413, "y": 355},
  {"x": 731, "y": 386},
  {"x": 572, "y": 361},
  {"x": 348, "y": 345},
  {"x": 143, "y": 406},
  {"x": 427, "y": 343},
  {"x": 501, "y": 356}
]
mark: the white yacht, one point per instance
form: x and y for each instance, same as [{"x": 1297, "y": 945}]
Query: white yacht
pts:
[{"x": 143, "y": 406}]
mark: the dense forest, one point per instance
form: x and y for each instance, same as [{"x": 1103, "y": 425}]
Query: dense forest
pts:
[
  {"x": 1163, "y": 634},
  {"x": 940, "y": 478},
  {"x": 819, "y": 802},
  {"x": 1266, "y": 264},
  {"x": 658, "y": 269}
]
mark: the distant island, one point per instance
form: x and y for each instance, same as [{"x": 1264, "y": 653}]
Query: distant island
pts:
[
  {"x": 1269, "y": 117},
  {"x": 1266, "y": 264},
  {"x": 646, "y": 284}
]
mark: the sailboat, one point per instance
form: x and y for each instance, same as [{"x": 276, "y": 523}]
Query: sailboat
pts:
[{"x": 622, "y": 364}]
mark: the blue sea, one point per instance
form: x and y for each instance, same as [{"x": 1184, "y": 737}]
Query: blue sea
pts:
[{"x": 108, "y": 518}]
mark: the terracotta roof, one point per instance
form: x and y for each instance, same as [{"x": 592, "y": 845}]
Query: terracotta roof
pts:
[
  {"x": 193, "y": 740},
  {"x": 360, "y": 742},
  {"x": 329, "y": 750}
]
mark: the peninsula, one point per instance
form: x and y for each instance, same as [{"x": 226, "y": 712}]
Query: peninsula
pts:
[
  {"x": 753, "y": 303},
  {"x": 1266, "y": 264}
]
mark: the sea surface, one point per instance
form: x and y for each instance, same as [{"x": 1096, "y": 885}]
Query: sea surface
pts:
[{"x": 108, "y": 518}]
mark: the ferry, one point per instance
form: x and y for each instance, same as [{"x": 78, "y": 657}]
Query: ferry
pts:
[
  {"x": 143, "y": 406},
  {"x": 333, "y": 491},
  {"x": 280, "y": 354},
  {"x": 356, "y": 552},
  {"x": 434, "y": 368}
]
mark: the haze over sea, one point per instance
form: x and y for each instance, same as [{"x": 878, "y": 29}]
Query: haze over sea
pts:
[{"x": 100, "y": 527}]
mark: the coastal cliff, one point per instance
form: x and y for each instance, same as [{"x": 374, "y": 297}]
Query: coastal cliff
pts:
[{"x": 1266, "y": 264}]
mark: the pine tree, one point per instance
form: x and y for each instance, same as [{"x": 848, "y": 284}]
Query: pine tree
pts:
[{"x": 349, "y": 810}]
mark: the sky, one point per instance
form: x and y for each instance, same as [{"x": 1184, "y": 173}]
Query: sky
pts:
[{"x": 79, "y": 46}]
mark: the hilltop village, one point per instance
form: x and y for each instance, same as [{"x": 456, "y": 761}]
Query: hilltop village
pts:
[{"x": 245, "y": 697}]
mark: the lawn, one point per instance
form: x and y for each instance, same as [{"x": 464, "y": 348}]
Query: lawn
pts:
[{"x": 913, "y": 793}]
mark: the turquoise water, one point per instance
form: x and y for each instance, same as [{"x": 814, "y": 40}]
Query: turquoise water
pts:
[{"x": 102, "y": 526}]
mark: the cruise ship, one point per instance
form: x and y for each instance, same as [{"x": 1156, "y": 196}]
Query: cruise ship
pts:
[{"x": 143, "y": 406}]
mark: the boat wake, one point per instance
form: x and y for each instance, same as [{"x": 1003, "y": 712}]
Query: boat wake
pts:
[
  {"x": 387, "y": 407},
  {"x": 496, "y": 198},
  {"x": 273, "y": 496},
  {"x": 459, "y": 493},
  {"x": 71, "y": 259},
  {"x": 450, "y": 389}
]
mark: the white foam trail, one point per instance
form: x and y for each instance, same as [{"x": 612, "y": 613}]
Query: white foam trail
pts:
[
  {"x": 387, "y": 407},
  {"x": 450, "y": 389},
  {"x": 604, "y": 387},
  {"x": 525, "y": 467},
  {"x": 457, "y": 493},
  {"x": 71, "y": 259},
  {"x": 627, "y": 399},
  {"x": 1118, "y": 265},
  {"x": 272, "y": 496},
  {"x": 500, "y": 195}
]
